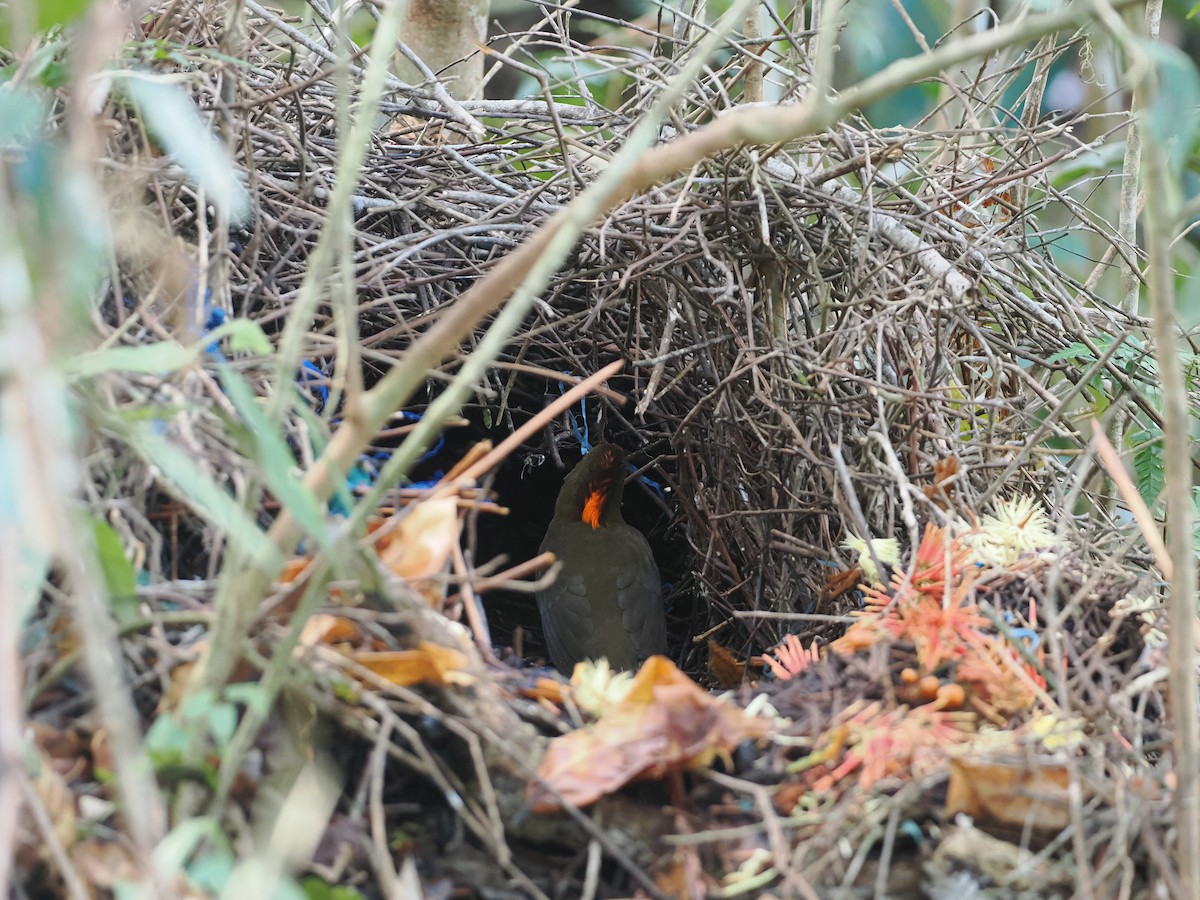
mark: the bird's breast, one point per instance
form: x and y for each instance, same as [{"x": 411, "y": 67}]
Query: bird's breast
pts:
[{"x": 606, "y": 600}]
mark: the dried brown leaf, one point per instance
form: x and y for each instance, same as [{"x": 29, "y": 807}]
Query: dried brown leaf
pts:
[
  {"x": 1009, "y": 794},
  {"x": 668, "y": 723},
  {"x": 428, "y": 664},
  {"x": 724, "y": 666}
]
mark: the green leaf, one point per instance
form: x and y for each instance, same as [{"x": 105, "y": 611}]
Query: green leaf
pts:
[
  {"x": 1149, "y": 466},
  {"x": 245, "y": 335},
  {"x": 276, "y": 460},
  {"x": 210, "y": 870},
  {"x": 169, "y": 356},
  {"x": 1074, "y": 352},
  {"x": 193, "y": 486},
  {"x": 316, "y": 889},
  {"x": 198, "y": 704},
  {"x": 59, "y": 13},
  {"x": 222, "y": 722},
  {"x": 166, "y": 738},
  {"x": 175, "y": 123},
  {"x": 345, "y": 691},
  {"x": 146, "y": 359},
  {"x": 184, "y": 840},
  {"x": 166, "y": 357},
  {"x": 254, "y": 697},
  {"x": 119, "y": 576},
  {"x": 33, "y": 559},
  {"x": 22, "y": 113},
  {"x": 1171, "y": 119}
]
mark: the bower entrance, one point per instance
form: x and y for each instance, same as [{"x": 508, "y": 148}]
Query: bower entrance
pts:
[{"x": 800, "y": 366}]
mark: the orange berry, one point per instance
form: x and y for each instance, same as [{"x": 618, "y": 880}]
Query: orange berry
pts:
[{"x": 951, "y": 696}]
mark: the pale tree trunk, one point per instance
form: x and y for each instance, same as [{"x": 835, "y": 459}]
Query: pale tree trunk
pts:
[{"x": 446, "y": 35}]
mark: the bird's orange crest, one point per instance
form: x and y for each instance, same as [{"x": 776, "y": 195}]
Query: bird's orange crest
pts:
[{"x": 592, "y": 508}]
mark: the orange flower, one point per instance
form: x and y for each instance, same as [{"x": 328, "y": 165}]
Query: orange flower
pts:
[{"x": 790, "y": 658}]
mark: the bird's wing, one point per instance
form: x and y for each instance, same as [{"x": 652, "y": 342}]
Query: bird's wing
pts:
[
  {"x": 568, "y": 629},
  {"x": 638, "y": 578}
]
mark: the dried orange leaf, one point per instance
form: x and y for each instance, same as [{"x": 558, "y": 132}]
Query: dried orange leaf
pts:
[
  {"x": 667, "y": 723},
  {"x": 105, "y": 864},
  {"x": 840, "y": 582},
  {"x": 66, "y": 750},
  {"x": 945, "y": 472},
  {"x": 322, "y": 628},
  {"x": 684, "y": 877},
  {"x": 724, "y": 666},
  {"x": 421, "y": 543},
  {"x": 1010, "y": 794},
  {"x": 292, "y": 569},
  {"x": 59, "y": 805},
  {"x": 428, "y": 664},
  {"x": 546, "y": 689}
]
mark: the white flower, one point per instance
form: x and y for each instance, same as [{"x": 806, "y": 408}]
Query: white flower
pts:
[
  {"x": 597, "y": 688},
  {"x": 886, "y": 550},
  {"x": 1018, "y": 526}
]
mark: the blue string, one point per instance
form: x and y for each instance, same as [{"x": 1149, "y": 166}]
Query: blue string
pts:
[
  {"x": 215, "y": 319},
  {"x": 311, "y": 377},
  {"x": 361, "y": 476},
  {"x": 585, "y": 444},
  {"x": 435, "y": 449},
  {"x": 583, "y": 436},
  {"x": 1026, "y": 634},
  {"x": 650, "y": 483},
  {"x": 312, "y": 384}
]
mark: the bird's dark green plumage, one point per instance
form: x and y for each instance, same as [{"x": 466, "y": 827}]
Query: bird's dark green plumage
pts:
[{"x": 607, "y": 598}]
